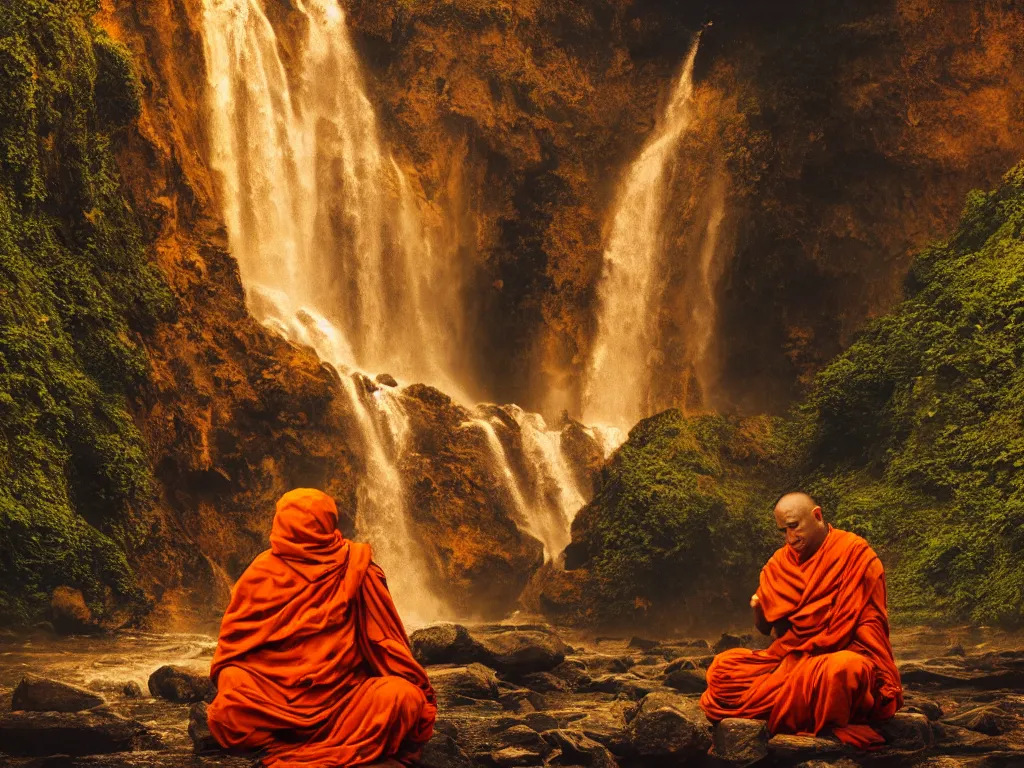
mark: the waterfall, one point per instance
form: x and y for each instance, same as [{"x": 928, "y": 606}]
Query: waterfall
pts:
[
  {"x": 617, "y": 383},
  {"x": 554, "y": 499},
  {"x": 329, "y": 243}
]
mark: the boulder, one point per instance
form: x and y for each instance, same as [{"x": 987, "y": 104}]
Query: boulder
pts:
[
  {"x": 921, "y": 705},
  {"x": 131, "y": 690},
  {"x": 740, "y": 742},
  {"x": 518, "y": 745},
  {"x": 180, "y": 685},
  {"x": 727, "y": 642},
  {"x": 386, "y": 379},
  {"x": 473, "y": 681},
  {"x": 442, "y": 752},
  {"x": 519, "y": 653},
  {"x": 687, "y": 680},
  {"x": 40, "y": 694},
  {"x": 606, "y": 725},
  {"x": 786, "y": 748},
  {"x": 681, "y": 663},
  {"x": 630, "y": 686},
  {"x": 70, "y": 614},
  {"x": 906, "y": 731},
  {"x": 669, "y": 725},
  {"x": 522, "y": 701},
  {"x": 72, "y": 733},
  {"x": 642, "y": 643},
  {"x": 574, "y": 673},
  {"x": 989, "y": 719},
  {"x": 199, "y": 730},
  {"x": 575, "y": 748},
  {"x": 544, "y": 682},
  {"x": 600, "y": 663},
  {"x": 512, "y": 757},
  {"x": 444, "y": 644}
]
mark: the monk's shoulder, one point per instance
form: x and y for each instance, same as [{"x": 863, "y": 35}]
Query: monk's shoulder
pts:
[
  {"x": 851, "y": 541},
  {"x": 854, "y": 544},
  {"x": 777, "y": 561}
]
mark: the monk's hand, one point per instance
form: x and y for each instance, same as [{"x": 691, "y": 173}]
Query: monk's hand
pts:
[{"x": 754, "y": 601}]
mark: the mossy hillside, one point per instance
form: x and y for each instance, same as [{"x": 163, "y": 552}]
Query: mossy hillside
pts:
[
  {"x": 76, "y": 292},
  {"x": 678, "y": 532},
  {"x": 915, "y": 435}
]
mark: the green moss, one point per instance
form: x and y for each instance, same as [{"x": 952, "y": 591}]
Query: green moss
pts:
[
  {"x": 914, "y": 435},
  {"x": 679, "y": 530},
  {"x": 76, "y": 293}
]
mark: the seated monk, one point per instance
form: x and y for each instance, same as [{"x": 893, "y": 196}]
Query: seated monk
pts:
[
  {"x": 313, "y": 667},
  {"x": 830, "y": 667}
]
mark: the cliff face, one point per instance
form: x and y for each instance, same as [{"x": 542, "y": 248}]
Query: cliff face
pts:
[
  {"x": 234, "y": 416},
  {"x": 841, "y": 139}
]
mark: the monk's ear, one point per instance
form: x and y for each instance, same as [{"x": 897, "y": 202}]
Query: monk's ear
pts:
[{"x": 817, "y": 514}]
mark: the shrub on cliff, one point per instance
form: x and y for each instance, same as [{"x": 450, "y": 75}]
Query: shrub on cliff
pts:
[
  {"x": 75, "y": 291},
  {"x": 681, "y": 526},
  {"x": 915, "y": 435}
]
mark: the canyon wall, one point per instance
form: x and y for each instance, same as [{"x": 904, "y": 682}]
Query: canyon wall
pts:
[{"x": 842, "y": 138}]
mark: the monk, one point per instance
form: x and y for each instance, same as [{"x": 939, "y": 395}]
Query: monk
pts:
[
  {"x": 313, "y": 666},
  {"x": 830, "y": 667}
]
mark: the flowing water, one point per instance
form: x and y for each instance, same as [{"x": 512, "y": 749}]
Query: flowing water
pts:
[
  {"x": 617, "y": 386},
  {"x": 329, "y": 236},
  {"x": 326, "y": 231}
]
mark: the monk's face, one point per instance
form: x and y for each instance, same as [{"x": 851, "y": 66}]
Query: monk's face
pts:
[{"x": 802, "y": 525}]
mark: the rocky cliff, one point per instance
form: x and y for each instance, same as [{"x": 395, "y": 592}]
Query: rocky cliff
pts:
[{"x": 843, "y": 138}]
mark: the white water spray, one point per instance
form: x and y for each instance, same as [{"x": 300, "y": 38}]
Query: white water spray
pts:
[
  {"x": 330, "y": 248},
  {"x": 617, "y": 385}
]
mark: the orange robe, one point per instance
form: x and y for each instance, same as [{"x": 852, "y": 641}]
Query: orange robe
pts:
[
  {"x": 833, "y": 669},
  {"x": 313, "y": 666}
]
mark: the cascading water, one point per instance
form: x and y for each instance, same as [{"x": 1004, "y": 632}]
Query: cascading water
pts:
[
  {"x": 546, "y": 510},
  {"x": 324, "y": 227},
  {"x": 617, "y": 385}
]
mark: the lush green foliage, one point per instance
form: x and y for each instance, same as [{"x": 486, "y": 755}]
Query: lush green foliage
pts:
[
  {"x": 915, "y": 436},
  {"x": 75, "y": 292},
  {"x": 680, "y": 530}
]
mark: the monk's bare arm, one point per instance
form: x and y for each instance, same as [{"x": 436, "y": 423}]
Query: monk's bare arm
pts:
[{"x": 763, "y": 625}]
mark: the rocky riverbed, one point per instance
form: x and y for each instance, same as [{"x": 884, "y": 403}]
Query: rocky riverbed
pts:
[{"x": 513, "y": 694}]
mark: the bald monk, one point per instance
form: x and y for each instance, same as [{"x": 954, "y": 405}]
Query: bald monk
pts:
[
  {"x": 313, "y": 667},
  {"x": 830, "y": 667}
]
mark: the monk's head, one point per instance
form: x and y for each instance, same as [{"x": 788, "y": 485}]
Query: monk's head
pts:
[
  {"x": 305, "y": 525},
  {"x": 799, "y": 517}
]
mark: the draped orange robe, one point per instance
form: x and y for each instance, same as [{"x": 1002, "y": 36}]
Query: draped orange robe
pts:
[
  {"x": 313, "y": 666},
  {"x": 833, "y": 669}
]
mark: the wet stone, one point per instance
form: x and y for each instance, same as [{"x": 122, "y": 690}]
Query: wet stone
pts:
[
  {"x": 989, "y": 719},
  {"x": 575, "y": 748},
  {"x": 519, "y": 653},
  {"x": 906, "y": 731},
  {"x": 72, "y": 733},
  {"x": 642, "y": 643},
  {"x": 199, "y": 730},
  {"x": 180, "y": 685},
  {"x": 669, "y": 725},
  {"x": 789, "y": 748},
  {"x": 442, "y": 752},
  {"x": 131, "y": 690},
  {"x": 444, "y": 644},
  {"x": 727, "y": 642},
  {"x": 922, "y": 705},
  {"x": 474, "y": 681},
  {"x": 740, "y": 742},
  {"x": 544, "y": 682},
  {"x": 40, "y": 694},
  {"x": 687, "y": 680}
]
